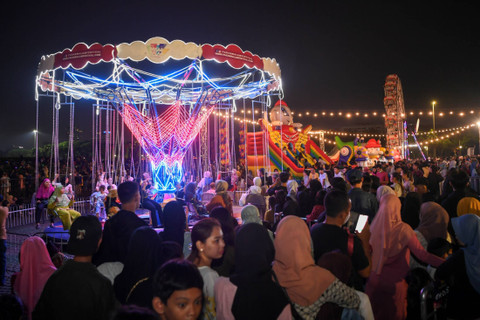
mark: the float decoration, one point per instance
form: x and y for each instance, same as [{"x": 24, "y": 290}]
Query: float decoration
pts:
[{"x": 282, "y": 144}]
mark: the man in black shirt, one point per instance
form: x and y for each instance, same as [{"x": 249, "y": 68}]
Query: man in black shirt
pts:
[
  {"x": 362, "y": 202},
  {"x": 77, "y": 290},
  {"x": 280, "y": 184},
  {"x": 266, "y": 180},
  {"x": 119, "y": 228},
  {"x": 331, "y": 235}
]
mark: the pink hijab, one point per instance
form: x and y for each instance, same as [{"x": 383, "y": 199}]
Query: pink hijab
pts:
[
  {"x": 44, "y": 192},
  {"x": 389, "y": 235},
  {"x": 294, "y": 267},
  {"x": 35, "y": 269}
]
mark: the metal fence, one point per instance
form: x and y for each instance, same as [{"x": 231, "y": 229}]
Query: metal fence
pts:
[
  {"x": 14, "y": 244},
  {"x": 24, "y": 215}
]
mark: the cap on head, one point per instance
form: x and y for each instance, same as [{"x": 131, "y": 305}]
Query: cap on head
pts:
[{"x": 85, "y": 233}]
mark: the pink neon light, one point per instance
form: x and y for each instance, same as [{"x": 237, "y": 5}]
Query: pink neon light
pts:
[{"x": 166, "y": 137}]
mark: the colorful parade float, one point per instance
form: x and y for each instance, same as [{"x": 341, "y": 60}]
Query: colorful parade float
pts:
[{"x": 282, "y": 144}]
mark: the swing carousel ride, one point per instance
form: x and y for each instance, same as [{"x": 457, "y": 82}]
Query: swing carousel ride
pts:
[{"x": 164, "y": 110}]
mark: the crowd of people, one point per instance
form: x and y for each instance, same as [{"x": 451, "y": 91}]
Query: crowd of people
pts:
[
  {"x": 17, "y": 178},
  {"x": 340, "y": 243}
]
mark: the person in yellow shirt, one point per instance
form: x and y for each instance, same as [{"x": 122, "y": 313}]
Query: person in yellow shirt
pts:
[{"x": 60, "y": 202}]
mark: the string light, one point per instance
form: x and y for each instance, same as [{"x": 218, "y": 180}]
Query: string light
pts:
[
  {"x": 359, "y": 114},
  {"x": 348, "y": 115},
  {"x": 452, "y": 133}
]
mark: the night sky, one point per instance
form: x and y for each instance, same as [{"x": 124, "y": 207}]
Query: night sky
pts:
[{"x": 334, "y": 55}]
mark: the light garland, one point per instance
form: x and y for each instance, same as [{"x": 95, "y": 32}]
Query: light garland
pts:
[
  {"x": 453, "y": 132},
  {"x": 360, "y": 114},
  {"x": 446, "y": 130},
  {"x": 350, "y": 134},
  {"x": 363, "y": 114}
]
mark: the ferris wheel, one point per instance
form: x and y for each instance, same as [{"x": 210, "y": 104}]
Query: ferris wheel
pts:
[{"x": 394, "y": 114}]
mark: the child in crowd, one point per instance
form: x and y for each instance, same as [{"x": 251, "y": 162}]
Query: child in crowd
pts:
[
  {"x": 97, "y": 200},
  {"x": 177, "y": 291}
]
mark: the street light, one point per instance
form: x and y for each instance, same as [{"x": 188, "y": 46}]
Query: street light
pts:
[
  {"x": 34, "y": 138},
  {"x": 35, "y": 145},
  {"x": 433, "y": 117}
]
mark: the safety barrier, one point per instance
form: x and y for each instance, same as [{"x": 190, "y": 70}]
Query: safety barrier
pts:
[
  {"x": 14, "y": 244},
  {"x": 25, "y": 214}
]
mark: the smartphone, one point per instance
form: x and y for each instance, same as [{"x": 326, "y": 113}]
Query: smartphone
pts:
[{"x": 362, "y": 220}]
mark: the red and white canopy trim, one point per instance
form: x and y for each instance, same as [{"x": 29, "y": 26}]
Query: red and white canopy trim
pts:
[{"x": 156, "y": 50}]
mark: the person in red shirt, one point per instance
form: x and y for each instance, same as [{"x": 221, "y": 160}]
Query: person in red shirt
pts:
[{"x": 382, "y": 175}]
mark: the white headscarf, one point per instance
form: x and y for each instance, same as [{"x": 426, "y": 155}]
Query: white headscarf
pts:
[
  {"x": 250, "y": 214},
  {"x": 292, "y": 187},
  {"x": 257, "y": 186},
  {"x": 383, "y": 190}
]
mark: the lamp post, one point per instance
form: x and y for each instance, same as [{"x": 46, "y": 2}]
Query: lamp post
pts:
[
  {"x": 35, "y": 137},
  {"x": 433, "y": 118},
  {"x": 433, "y": 114}
]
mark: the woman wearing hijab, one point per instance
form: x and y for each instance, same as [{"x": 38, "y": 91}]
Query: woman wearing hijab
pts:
[
  {"x": 250, "y": 292},
  {"x": 383, "y": 190},
  {"x": 391, "y": 241},
  {"x": 35, "y": 269},
  {"x": 221, "y": 198},
  {"x": 225, "y": 265},
  {"x": 194, "y": 205},
  {"x": 468, "y": 205},
  {"x": 255, "y": 197},
  {"x": 60, "y": 202},
  {"x": 44, "y": 192},
  {"x": 175, "y": 225},
  {"x": 134, "y": 284},
  {"x": 250, "y": 214},
  {"x": 307, "y": 285},
  {"x": 341, "y": 266},
  {"x": 462, "y": 270},
  {"x": 291, "y": 206},
  {"x": 433, "y": 224}
]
